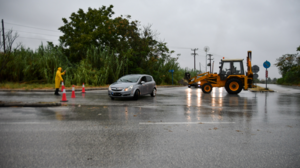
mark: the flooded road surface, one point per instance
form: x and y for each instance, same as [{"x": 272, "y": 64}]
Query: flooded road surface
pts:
[{"x": 180, "y": 127}]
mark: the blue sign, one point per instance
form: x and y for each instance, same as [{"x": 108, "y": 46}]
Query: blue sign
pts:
[
  {"x": 267, "y": 64},
  {"x": 172, "y": 71}
]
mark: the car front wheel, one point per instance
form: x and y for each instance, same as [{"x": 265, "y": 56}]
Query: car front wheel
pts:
[{"x": 136, "y": 95}]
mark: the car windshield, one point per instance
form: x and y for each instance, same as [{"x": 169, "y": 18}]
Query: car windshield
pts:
[{"x": 129, "y": 78}]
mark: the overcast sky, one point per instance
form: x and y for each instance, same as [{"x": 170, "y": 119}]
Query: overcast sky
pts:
[{"x": 269, "y": 28}]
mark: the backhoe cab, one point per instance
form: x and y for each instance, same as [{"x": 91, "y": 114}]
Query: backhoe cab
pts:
[{"x": 231, "y": 76}]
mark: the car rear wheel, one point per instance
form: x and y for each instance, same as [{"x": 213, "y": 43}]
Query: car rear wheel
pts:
[
  {"x": 153, "y": 94},
  {"x": 112, "y": 98}
]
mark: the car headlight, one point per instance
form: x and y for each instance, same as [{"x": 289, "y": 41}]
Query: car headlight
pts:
[
  {"x": 109, "y": 88},
  {"x": 128, "y": 88}
]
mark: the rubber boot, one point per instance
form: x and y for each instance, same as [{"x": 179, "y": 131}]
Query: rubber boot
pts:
[{"x": 56, "y": 92}]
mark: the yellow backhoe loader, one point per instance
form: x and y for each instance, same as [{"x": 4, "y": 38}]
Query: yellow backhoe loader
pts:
[{"x": 231, "y": 76}]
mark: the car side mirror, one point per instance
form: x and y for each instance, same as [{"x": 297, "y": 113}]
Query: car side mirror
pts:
[{"x": 142, "y": 82}]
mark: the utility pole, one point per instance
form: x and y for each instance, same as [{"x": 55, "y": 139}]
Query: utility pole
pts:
[
  {"x": 206, "y": 62},
  {"x": 3, "y": 35},
  {"x": 206, "y": 49},
  {"x": 210, "y": 55},
  {"x": 194, "y": 57},
  {"x": 200, "y": 67}
]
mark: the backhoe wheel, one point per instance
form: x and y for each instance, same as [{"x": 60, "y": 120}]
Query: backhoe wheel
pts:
[
  {"x": 206, "y": 88},
  {"x": 233, "y": 86}
]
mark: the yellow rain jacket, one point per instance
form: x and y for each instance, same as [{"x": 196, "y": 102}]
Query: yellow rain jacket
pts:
[{"x": 58, "y": 77}]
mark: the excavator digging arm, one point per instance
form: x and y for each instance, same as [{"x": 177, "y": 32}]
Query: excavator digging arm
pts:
[
  {"x": 248, "y": 80},
  {"x": 197, "y": 78},
  {"x": 249, "y": 67}
]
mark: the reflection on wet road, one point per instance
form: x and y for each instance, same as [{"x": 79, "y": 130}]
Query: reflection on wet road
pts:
[{"x": 181, "y": 127}]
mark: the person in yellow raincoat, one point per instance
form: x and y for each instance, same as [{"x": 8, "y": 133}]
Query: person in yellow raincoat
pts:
[{"x": 58, "y": 79}]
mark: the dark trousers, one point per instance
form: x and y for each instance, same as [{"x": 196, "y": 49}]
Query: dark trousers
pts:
[{"x": 56, "y": 91}]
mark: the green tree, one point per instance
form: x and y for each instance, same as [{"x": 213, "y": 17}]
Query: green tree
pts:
[
  {"x": 136, "y": 48},
  {"x": 95, "y": 49},
  {"x": 289, "y": 67},
  {"x": 286, "y": 63},
  {"x": 96, "y": 28},
  {"x": 256, "y": 81}
]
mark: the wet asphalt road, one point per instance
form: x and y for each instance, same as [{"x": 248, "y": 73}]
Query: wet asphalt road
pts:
[{"x": 180, "y": 127}]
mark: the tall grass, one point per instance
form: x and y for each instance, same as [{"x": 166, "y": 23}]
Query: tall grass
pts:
[
  {"x": 99, "y": 67},
  {"x": 26, "y": 65}
]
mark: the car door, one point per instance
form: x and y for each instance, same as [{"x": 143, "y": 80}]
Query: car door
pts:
[
  {"x": 150, "y": 84},
  {"x": 143, "y": 87}
]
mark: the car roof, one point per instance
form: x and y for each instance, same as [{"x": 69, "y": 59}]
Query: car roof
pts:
[{"x": 138, "y": 74}]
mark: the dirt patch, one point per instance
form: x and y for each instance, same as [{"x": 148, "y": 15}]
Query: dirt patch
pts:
[{"x": 260, "y": 89}]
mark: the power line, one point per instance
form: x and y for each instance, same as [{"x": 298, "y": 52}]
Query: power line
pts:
[
  {"x": 37, "y": 33},
  {"x": 220, "y": 55},
  {"x": 180, "y": 47},
  {"x": 189, "y": 48},
  {"x": 33, "y": 32},
  {"x": 217, "y": 55},
  {"x": 37, "y": 39},
  {"x": 30, "y": 27}
]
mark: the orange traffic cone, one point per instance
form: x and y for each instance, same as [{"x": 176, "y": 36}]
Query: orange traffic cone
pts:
[
  {"x": 64, "y": 96},
  {"x": 62, "y": 86},
  {"x": 83, "y": 90},
  {"x": 73, "y": 92}
]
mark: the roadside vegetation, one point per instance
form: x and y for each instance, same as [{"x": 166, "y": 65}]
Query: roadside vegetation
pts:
[
  {"x": 95, "y": 49},
  {"x": 289, "y": 67},
  {"x": 269, "y": 80},
  {"x": 37, "y": 86},
  {"x": 96, "y": 69}
]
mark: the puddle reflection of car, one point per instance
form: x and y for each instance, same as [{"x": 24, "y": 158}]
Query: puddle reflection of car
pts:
[{"x": 132, "y": 86}]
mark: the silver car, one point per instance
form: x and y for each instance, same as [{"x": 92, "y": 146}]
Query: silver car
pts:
[{"x": 132, "y": 86}]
